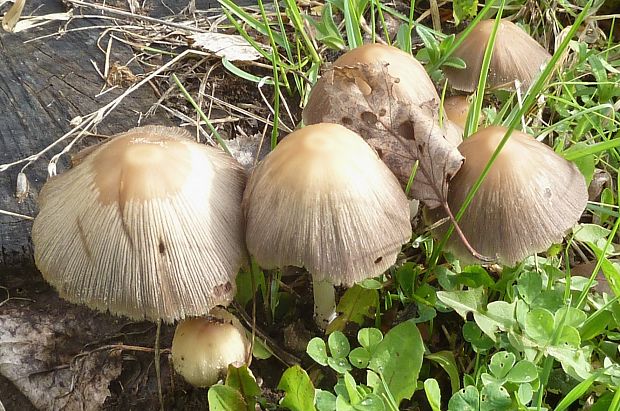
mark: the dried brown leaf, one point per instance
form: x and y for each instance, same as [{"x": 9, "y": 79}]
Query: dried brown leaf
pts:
[{"x": 367, "y": 100}]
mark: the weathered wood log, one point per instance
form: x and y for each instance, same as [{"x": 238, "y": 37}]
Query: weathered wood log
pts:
[{"x": 43, "y": 85}]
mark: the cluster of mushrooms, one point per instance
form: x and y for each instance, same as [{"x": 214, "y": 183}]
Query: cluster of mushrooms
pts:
[{"x": 153, "y": 225}]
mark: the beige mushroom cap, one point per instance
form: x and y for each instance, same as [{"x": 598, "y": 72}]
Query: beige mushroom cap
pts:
[
  {"x": 516, "y": 56},
  {"x": 414, "y": 85},
  {"x": 323, "y": 200},
  {"x": 149, "y": 226},
  {"x": 527, "y": 202},
  {"x": 456, "y": 109},
  {"x": 204, "y": 347}
]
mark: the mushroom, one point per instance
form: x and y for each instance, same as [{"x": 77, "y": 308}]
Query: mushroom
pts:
[
  {"x": 414, "y": 85},
  {"x": 204, "y": 347},
  {"x": 323, "y": 200},
  {"x": 528, "y": 200},
  {"x": 149, "y": 225},
  {"x": 516, "y": 56},
  {"x": 456, "y": 109}
]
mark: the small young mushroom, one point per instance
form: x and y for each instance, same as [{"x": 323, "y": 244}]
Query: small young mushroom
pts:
[
  {"x": 323, "y": 200},
  {"x": 204, "y": 347},
  {"x": 527, "y": 202},
  {"x": 516, "y": 56},
  {"x": 149, "y": 225},
  {"x": 413, "y": 86},
  {"x": 456, "y": 109}
]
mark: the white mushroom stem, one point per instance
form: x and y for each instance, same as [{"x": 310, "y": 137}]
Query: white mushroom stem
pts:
[{"x": 324, "y": 302}]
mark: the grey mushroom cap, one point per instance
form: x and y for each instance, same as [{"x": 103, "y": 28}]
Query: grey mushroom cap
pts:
[
  {"x": 516, "y": 56},
  {"x": 527, "y": 202},
  {"x": 149, "y": 225},
  {"x": 324, "y": 200}
]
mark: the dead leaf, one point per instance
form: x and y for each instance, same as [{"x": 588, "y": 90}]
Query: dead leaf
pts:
[
  {"x": 231, "y": 46},
  {"x": 120, "y": 76},
  {"x": 367, "y": 100}
]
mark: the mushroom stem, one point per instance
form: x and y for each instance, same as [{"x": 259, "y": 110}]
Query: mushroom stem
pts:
[
  {"x": 158, "y": 366},
  {"x": 324, "y": 302},
  {"x": 463, "y": 238}
]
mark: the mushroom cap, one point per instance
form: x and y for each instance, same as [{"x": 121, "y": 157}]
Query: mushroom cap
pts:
[
  {"x": 149, "y": 225},
  {"x": 516, "y": 56},
  {"x": 526, "y": 203},
  {"x": 415, "y": 85},
  {"x": 324, "y": 200},
  {"x": 203, "y": 348},
  {"x": 456, "y": 109}
]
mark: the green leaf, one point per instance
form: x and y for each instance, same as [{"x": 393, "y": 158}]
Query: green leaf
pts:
[
  {"x": 351, "y": 386},
  {"x": 523, "y": 372},
  {"x": 475, "y": 276},
  {"x": 298, "y": 390},
  {"x": 597, "y": 326},
  {"x": 429, "y": 40},
  {"x": 406, "y": 275},
  {"x": 501, "y": 363},
  {"x": 569, "y": 337},
  {"x": 573, "y": 317},
  {"x": 340, "y": 365},
  {"x": 494, "y": 397},
  {"x": 474, "y": 335},
  {"x": 446, "y": 360},
  {"x": 244, "y": 286},
  {"x": 339, "y": 346},
  {"x": 359, "y": 357},
  {"x": 324, "y": 400},
  {"x": 462, "y": 302},
  {"x": 590, "y": 233},
  {"x": 464, "y": 9},
  {"x": 529, "y": 285},
  {"x": 433, "y": 393},
  {"x": 224, "y": 398},
  {"x": 243, "y": 381},
  {"x": 525, "y": 393},
  {"x": 454, "y": 62},
  {"x": 467, "y": 399},
  {"x": 317, "y": 350},
  {"x": 575, "y": 362},
  {"x": 371, "y": 284},
  {"x": 585, "y": 164},
  {"x": 356, "y": 303},
  {"x": 539, "y": 325},
  {"x": 369, "y": 338},
  {"x": 399, "y": 359},
  {"x": 498, "y": 315}
]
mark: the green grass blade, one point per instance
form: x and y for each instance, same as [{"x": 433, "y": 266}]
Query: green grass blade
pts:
[
  {"x": 229, "y": 5},
  {"x": 352, "y": 25},
  {"x": 298, "y": 23},
  {"x": 228, "y": 65},
  {"x": 576, "y": 393},
  {"x": 577, "y": 152},
  {"x": 202, "y": 115},
  {"x": 471, "y": 125}
]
